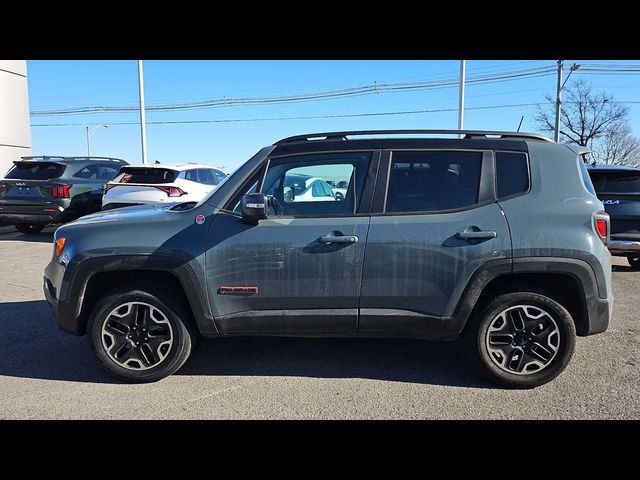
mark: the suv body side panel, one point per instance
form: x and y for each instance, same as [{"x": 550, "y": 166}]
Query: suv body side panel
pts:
[
  {"x": 152, "y": 239},
  {"x": 415, "y": 264},
  {"x": 555, "y": 218}
]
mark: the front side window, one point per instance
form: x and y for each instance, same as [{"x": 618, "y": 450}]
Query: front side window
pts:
[
  {"x": 425, "y": 181},
  {"x": 299, "y": 183}
]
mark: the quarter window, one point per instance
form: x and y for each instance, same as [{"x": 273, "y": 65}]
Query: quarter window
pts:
[
  {"x": 512, "y": 174},
  {"x": 424, "y": 181}
]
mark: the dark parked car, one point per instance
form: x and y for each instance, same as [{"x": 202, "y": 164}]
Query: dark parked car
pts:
[
  {"x": 495, "y": 238},
  {"x": 38, "y": 191},
  {"x": 619, "y": 189}
]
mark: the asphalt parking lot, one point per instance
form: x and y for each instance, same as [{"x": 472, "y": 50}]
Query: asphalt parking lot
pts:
[{"x": 47, "y": 374}]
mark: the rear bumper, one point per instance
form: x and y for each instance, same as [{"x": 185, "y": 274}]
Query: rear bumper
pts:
[
  {"x": 624, "y": 247},
  {"x": 12, "y": 214}
]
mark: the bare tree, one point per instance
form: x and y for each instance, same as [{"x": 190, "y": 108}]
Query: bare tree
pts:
[
  {"x": 585, "y": 115},
  {"x": 595, "y": 121},
  {"x": 618, "y": 147}
]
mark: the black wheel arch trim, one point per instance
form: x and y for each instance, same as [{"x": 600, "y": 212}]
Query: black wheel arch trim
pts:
[
  {"x": 69, "y": 311},
  {"x": 597, "y": 305}
]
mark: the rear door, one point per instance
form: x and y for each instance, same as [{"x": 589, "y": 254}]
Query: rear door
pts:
[
  {"x": 434, "y": 222},
  {"x": 619, "y": 191}
]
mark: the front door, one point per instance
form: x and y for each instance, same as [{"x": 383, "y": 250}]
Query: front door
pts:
[{"x": 298, "y": 271}]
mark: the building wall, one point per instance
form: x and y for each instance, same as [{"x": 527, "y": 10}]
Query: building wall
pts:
[{"x": 15, "y": 129}]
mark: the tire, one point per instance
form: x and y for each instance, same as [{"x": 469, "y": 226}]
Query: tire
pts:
[
  {"x": 29, "y": 228},
  {"x": 114, "y": 317},
  {"x": 634, "y": 263},
  {"x": 537, "y": 354}
]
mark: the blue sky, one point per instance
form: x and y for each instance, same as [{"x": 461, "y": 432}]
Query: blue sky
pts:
[{"x": 54, "y": 83}]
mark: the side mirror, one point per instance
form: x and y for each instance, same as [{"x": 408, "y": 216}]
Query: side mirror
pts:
[{"x": 253, "y": 207}]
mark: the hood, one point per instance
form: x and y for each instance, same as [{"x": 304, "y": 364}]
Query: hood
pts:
[{"x": 128, "y": 214}]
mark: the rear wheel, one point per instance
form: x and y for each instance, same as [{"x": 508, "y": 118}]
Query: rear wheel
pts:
[
  {"x": 141, "y": 332},
  {"x": 29, "y": 228},
  {"x": 634, "y": 262},
  {"x": 521, "y": 339}
]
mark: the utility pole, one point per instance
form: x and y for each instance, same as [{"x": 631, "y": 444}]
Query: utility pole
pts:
[
  {"x": 90, "y": 133},
  {"x": 556, "y": 134},
  {"x": 463, "y": 68},
  {"x": 143, "y": 123}
]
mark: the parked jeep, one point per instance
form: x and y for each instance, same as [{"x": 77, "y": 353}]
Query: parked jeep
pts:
[
  {"x": 494, "y": 238},
  {"x": 619, "y": 189}
]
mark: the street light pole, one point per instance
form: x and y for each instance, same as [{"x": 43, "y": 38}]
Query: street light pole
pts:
[
  {"x": 463, "y": 68},
  {"x": 90, "y": 133},
  {"x": 556, "y": 134},
  {"x": 561, "y": 85},
  {"x": 143, "y": 123}
]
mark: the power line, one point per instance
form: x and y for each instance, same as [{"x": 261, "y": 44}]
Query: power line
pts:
[
  {"x": 312, "y": 117},
  {"x": 375, "y": 88}
]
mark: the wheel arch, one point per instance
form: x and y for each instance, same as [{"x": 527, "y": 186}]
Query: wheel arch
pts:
[
  {"x": 569, "y": 281},
  {"x": 93, "y": 277}
]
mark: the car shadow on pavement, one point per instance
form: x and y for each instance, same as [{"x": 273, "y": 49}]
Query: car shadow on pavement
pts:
[
  {"x": 46, "y": 236},
  {"x": 31, "y": 346},
  {"x": 396, "y": 360},
  {"x": 622, "y": 268}
]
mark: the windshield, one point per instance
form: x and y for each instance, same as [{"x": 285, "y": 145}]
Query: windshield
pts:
[{"x": 616, "y": 181}]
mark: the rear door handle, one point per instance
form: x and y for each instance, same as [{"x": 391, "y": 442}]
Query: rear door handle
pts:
[
  {"x": 471, "y": 235},
  {"x": 339, "y": 239}
]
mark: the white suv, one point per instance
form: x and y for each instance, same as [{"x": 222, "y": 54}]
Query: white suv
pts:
[{"x": 160, "y": 183}]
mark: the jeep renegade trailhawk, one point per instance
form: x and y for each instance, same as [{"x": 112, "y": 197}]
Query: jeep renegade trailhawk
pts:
[{"x": 495, "y": 238}]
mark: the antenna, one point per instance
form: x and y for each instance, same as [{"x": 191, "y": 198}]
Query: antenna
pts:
[{"x": 520, "y": 124}]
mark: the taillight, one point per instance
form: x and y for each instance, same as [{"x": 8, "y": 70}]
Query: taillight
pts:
[
  {"x": 108, "y": 186},
  {"x": 601, "y": 224},
  {"x": 172, "y": 191},
  {"x": 61, "y": 191}
]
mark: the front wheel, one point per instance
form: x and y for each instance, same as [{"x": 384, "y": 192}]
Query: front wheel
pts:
[
  {"x": 141, "y": 332},
  {"x": 29, "y": 228},
  {"x": 521, "y": 339}
]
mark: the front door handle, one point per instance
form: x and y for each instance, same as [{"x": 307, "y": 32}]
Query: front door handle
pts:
[
  {"x": 476, "y": 235},
  {"x": 338, "y": 239}
]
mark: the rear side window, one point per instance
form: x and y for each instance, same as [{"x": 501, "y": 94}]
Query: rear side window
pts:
[
  {"x": 206, "y": 176},
  {"x": 512, "y": 174},
  {"x": 220, "y": 176},
  {"x": 146, "y": 175},
  {"x": 40, "y": 171},
  {"x": 433, "y": 180},
  {"x": 97, "y": 172},
  {"x": 616, "y": 181}
]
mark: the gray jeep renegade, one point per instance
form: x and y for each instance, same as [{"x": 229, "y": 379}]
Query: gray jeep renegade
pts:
[{"x": 493, "y": 238}]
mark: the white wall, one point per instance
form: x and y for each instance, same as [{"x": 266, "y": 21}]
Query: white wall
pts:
[{"x": 15, "y": 129}]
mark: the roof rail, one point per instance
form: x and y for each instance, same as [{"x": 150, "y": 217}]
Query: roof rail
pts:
[
  {"x": 332, "y": 136},
  {"x": 67, "y": 159}
]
